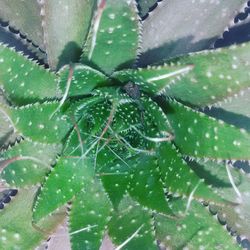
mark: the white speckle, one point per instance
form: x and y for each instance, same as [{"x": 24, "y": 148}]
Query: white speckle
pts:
[
  {"x": 41, "y": 126},
  {"x": 112, "y": 16},
  {"x": 17, "y": 236},
  {"x": 209, "y": 74},
  {"x": 236, "y": 143},
  {"x": 110, "y": 30},
  {"x": 207, "y": 135}
]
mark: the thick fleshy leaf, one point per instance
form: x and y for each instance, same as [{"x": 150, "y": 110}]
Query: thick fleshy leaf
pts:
[
  {"x": 146, "y": 187},
  {"x": 179, "y": 178},
  {"x": 24, "y": 81},
  {"x": 64, "y": 39},
  {"x": 193, "y": 230},
  {"x": 132, "y": 227},
  {"x": 187, "y": 28},
  {"x": 145, "y": 6},
  {"x": 233, "y": 185},
  {"x": 78, "y": 79},
  {"x": 24, "y": 16},
  {"x": 39, "y": 122},
  {"x": 66, "y": 179},
  {"x": 154, "y": 80},
  {"x": 88, "y": 217},
  {"x": 27, "y": 163},
  {"x": 113, "y": 40},
  {"x": 217, "y": 75},
  {"x": 115, "y": 177},
  {"x": 17, "y": 231},
  {"x": 199, "y": 135}
]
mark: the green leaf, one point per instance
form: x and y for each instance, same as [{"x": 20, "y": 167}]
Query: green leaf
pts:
[
  {"x": 199, "y": 135},
  {"x": 144, "y": 6},
  {"x": 24, "y": 81},
  {"x": 78, "y": 108},
  {"x": 217, "y": 75},
  {"x": 114, "y": 174},
  {"x": 154, "y": 80},
  {"x": 39, "y": 122},
  {"x": 146, "y": 187},
  {"x": 80, "y": 80},
  {"x": 25, "y": 17},
  {"x": 17, "y": 231},
  {"x": 89, "y": 215},
  {"x": 64, "y": 39},
  {"x": 187, "y": 28},
  {"x": 132, "y": 225},
  {"x": 179, "y": 178},
  {"x": 156, "y": 115},
  {"x": 27, "y": 163},
  {"x": 113, "y": 40},
  {"x": 195, "y": 230},
  {"x": 66, "y": 179}
]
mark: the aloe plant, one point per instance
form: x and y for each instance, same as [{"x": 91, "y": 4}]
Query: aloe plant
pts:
[{"x": 121, "y": 149}]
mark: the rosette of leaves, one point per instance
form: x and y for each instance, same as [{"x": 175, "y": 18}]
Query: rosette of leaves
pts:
[{"x": 128, "y": 150}]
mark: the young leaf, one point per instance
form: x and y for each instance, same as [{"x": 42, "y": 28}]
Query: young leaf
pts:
[
  {"x": 66, "y": 179},
  {"x": 17, "y": 230},
  {"x": 188, "y": 29},
  {"x": 153, "y": 80},
  {"x": 199, "y": 135},
  {"x": 217, "y": 75},
  {"x": 24, "y": 81},
  {"x": 25, "y": 17},
  {"x": 78, "y": 79},
  {"x": 131, "y": 227},
  {"x": 64, "y": 40},
  {"x": 194, "y": 230},
  {"x": 39, "y": 122},
  {"x": 27, "y": 163},
  {"x": 156, "y": 115},
  {"x": 113, "y": 39},
  {"x": 88, "y": 217},
  {"x": 179, "y": 178}
]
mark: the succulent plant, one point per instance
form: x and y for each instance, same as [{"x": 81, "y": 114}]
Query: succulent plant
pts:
[{"x": 114, "y": 135}]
